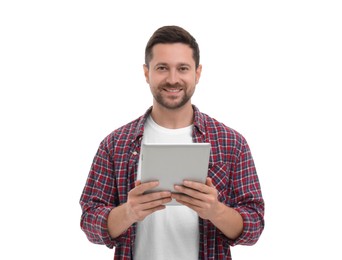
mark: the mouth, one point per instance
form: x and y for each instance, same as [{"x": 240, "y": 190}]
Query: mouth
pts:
[{"x": 172, "y": 90}]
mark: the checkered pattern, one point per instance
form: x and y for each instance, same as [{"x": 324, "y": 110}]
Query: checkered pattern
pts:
[{"x": 231, "y": 167}]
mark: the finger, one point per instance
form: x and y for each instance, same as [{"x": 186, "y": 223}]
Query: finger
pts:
[
  {"x": 209, "y": 182},
  {"x": 155, "y": 203},
  {"x": 201, "y": 187},
  {"x": 190, "y": 191},
  {"x": 155, "y": 196},
  {"x": 186, "y": 200},
  {"x": 141, "y": 214},
  {"x": 140, "y": 188},
  {"x": 189, "y": 205},
  {"x": 200, "y": 193},
  {"x": 147, "y": 212}
]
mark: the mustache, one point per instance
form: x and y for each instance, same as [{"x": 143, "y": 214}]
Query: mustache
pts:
[{"x": 168, "y": 85}]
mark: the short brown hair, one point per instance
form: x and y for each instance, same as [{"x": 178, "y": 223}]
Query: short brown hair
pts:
[{"x": 172, "y": 34}]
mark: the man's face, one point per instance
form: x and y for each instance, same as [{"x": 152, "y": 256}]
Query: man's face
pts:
[{"x": 172, "y": 75}]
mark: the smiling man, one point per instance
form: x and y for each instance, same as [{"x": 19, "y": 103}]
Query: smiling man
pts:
[{"x": 227, "y": 210}]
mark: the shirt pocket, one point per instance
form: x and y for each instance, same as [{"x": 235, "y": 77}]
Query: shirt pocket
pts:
[{"x": 220, "y": 175}]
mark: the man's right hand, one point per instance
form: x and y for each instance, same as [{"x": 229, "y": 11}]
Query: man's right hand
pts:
[
  {"x": 140, "y": 205},
  {"x": 137, "y": 207}
]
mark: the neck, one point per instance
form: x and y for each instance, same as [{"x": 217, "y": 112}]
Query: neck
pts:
[{"x": 173, "y": 118}]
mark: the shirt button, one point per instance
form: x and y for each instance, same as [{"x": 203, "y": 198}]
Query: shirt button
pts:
[{"x": 135, "y": 153}]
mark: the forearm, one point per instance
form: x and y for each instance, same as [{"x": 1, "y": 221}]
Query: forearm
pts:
[
  {"x": 94, "y": 224},
  {"x": 228, "y": 220},
  {"x": 119, "y": 221}
]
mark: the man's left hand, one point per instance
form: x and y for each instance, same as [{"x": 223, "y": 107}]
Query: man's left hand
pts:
[{"x": 200, "y": 197}]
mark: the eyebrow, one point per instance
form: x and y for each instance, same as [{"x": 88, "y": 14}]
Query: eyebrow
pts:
[
  {"x": 166, "y": 64},
  {"x": 160, "y": 64}
]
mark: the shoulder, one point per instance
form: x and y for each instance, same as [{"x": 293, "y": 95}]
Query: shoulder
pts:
[
  {"x": 123, "y": 136},
  {"x": 220, "y": 131},
  {"x": 212, "y": 127},
  {"x": 227, "y": 143},
  {"x": 128, "y": 132}
]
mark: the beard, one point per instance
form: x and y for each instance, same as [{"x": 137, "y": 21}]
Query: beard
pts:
[{"x": 172, "y": 102}]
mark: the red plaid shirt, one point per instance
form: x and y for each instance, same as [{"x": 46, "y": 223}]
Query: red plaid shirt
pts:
[{"x": 231, "y": 167}]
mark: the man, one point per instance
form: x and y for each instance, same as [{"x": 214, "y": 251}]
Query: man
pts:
[{"x": 227, "y": 210}]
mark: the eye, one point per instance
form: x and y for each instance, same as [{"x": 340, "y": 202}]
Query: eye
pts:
[
  {"x": 161, "y": 68},
  {"x": 183, "y": 68}
]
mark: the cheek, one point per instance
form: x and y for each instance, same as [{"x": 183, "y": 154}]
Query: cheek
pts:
[
  {"x": 156, "y": 81},
  {"x": 152, "y": 83}
]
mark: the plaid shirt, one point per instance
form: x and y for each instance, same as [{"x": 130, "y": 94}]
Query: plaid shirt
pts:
[{"x": 231, "y": 167}]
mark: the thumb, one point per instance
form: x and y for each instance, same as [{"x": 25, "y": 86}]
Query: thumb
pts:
[
  {"x": 137, "y": 183},
  {"x": 209, "y": 182}
]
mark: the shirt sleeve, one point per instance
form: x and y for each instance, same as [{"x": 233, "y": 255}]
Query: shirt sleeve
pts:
[
  {"x": 98, "y": 199},
  {"x": 247, "y": 198}
]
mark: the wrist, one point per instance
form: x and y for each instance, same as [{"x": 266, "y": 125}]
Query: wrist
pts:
[
  {"x": 228, "y": 220},
  {"x": 119, "y": 220},
  {"x": 218, "y": 213},
  {"x": 128, "y": 216}
]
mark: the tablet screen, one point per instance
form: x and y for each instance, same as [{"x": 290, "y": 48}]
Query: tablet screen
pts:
[{"x": 170, "y": 164}]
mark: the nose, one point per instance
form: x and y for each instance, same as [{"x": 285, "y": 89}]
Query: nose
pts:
[{"x": 172, "y": 77}]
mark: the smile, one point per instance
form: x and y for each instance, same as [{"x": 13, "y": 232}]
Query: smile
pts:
[{"x": 172, "y": 90}]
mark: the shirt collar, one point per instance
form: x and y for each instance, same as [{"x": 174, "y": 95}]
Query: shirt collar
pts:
[
  {"x": 141, "y": 123},
  {"x": 199, "y": 122}
]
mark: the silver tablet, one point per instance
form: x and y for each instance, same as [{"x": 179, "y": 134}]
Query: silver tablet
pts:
[{"x": 170, "y": 164}]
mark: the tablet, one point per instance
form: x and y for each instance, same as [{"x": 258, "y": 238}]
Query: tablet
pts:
[{"x": 170, "y": 164}]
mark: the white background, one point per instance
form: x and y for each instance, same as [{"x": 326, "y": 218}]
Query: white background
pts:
[{"x": 71, "y": 72}]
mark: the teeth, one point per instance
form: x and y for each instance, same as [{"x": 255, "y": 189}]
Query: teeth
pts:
[{"x": 172, "y": 90}]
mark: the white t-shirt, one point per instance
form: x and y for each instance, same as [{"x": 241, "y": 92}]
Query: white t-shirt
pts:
[{"x": 172, "y": 233}]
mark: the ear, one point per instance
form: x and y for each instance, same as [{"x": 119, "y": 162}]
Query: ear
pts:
[
  {"x": 198, "y": 73},
  {"x": 146, "y": 73}
]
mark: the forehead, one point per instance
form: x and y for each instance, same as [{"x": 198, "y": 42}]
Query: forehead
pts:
[{"x": 172, "y": 53}]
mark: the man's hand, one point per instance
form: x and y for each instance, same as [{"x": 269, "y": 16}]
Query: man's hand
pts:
[
  {"x": 200, "y": 197},
  {"x": 140, "y": 205},
  {"x": 137, "y": 207},
  {"x": 203, "y": 198}
]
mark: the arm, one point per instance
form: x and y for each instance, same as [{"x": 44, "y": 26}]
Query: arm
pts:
[
  {"x": 239, "y": 212},
  {"x": 98, "y": 198},
  {"x": 105, "y": 224},
  {"x": 103, "y": 220}
]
